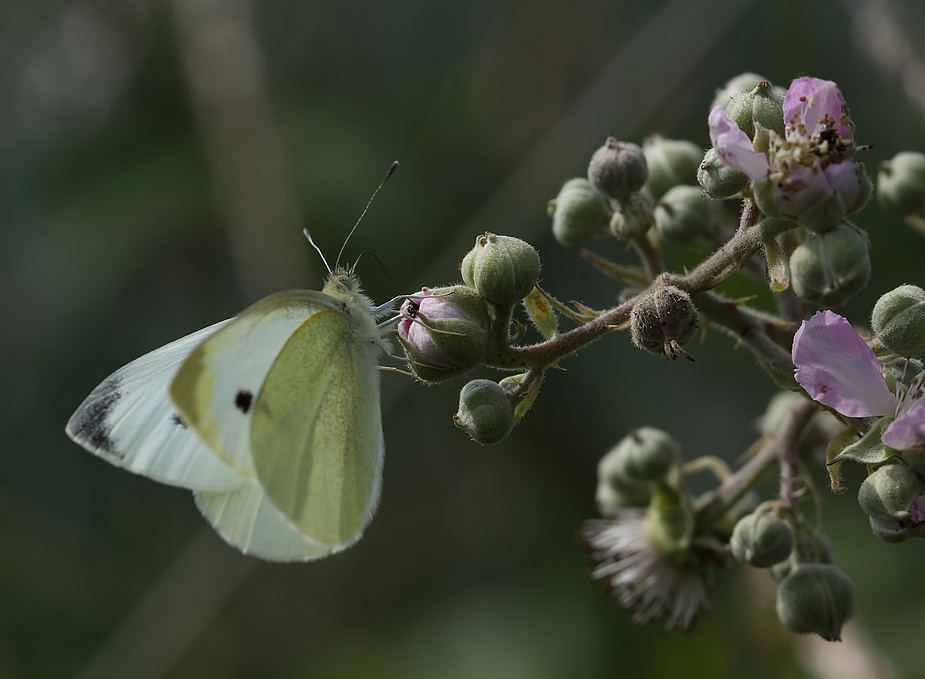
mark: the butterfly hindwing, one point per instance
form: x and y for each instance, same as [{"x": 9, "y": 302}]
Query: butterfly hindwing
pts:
[
  {"x": 317, "y": 440},
  {"x": 129, "y": 421},
  {"x": 248, "y": 520}
]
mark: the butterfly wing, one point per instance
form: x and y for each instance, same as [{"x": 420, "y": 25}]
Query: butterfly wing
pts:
[
  {"x": 248, "y": 520},
  {"x": 129, "y": 420},
  {"x": 288, "y": 393},
  {"x": 216, "y": 387},
  {"x": 317, "y": 438}
]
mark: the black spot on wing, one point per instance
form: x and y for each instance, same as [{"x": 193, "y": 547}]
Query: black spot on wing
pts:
[
  {"x": 243, "y": 400},
  {"x": 92, "y": 423},
  {"x": 176, "y": 419}
]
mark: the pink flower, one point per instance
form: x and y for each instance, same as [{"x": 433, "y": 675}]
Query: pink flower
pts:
[{"x": 837, "y": 368}]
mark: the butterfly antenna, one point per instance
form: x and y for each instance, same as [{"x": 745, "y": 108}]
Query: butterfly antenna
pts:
[
  {"x": 388, "y": 174},
  {"x": 311, "y": 242}
]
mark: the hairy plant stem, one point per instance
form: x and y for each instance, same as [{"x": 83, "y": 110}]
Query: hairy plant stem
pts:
[
  {"x": 751, "y": 326},
  {"x": 713, "y": 505}
]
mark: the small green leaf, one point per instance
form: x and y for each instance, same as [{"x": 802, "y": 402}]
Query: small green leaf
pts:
[{"x": 541, "y": 313}]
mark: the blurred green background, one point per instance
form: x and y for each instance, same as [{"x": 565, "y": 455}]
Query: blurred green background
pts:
[{"x": 159, "y": 161}]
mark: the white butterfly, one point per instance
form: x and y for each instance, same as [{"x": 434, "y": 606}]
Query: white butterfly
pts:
[{"x": 272, "y": 418}]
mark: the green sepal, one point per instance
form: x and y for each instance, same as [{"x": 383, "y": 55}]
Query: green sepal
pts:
[
  {"x": 525, "y": 400},
  {"x": 870, "y": 449},
  {"x": 836, "y": 446},
  {"x": 778, "y": 264},
  {"x": 541, "y": 313}
]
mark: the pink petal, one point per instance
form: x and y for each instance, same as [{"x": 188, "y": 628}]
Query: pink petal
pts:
[
  {"x": 812, "y": 102},
  {"x": 907, "y": 432},
  {"x": 838, "y": 369},
  {"x": 843, "y": 178},
  {"x": 734, "y": 146}
]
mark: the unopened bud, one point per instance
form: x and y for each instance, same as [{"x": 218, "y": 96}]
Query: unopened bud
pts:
[
  {"x": 898, "y": 320},
  {"x": 718, "y": 178},
  {"x": 901, "y": 184},
  {"x": 485, "y": 412},
  {"x": 828, "y": 269},
  {"x": 502, "y": 269},
  {"x": 682, "y": 215},
  {"x": 617, "y": 169},
  {"x": 578, "y": 213},
  {"x": 889, "y": 494},
  {"x": 633, "y": 217},
  {"x": 444, "y": 332},
  {"x": 761, "y": 540},
  {"x": 744, "y": 82},
  {"x": 671, "y": 162},
  {"x": 816, "y": 599},
  {"x": 761, "y": 107}
]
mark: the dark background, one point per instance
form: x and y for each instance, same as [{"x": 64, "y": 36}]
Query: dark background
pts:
[{"x": 157, "y": 164}]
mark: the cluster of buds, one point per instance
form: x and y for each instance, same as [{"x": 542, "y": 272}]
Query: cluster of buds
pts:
[
  {"x": 785, "y": 162},
  {"x": 447, "y": 332},
  {"x": 629, "y": 190}
]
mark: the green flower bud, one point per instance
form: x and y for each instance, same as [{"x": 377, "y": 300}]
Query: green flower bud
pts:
[
  {"x": 898, "y": 320},
  {"x": 444, "y": 332},
  {"x": 816, "y": 599},
  {"x": 761, "y": 540},
  {"x": 663, "y": 320},
  {"x": 682, "y": 215},
  {"x": 617, "y": 169},
  {"x": 633, "y": 217},
  {"x": 625, "y": 473},
  {"x": 718, "y": 178},
  {"x": 485, "y": 412},
  {"x": 502, "y": 269},
  {"x": 889, "y": 492},
  {"x": 645, "y": 454},
  {"x": 744, "y": 82},
  {"x": 763, "y": 106},
  {"x": 901, "y": 184},
  {"x": 578, "y": 213},
  {"x": 828, "y": 269},
  {"x": 671, "y": 162}
]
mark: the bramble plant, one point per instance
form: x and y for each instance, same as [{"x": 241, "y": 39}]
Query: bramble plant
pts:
[{"x": 787, "y": 161}]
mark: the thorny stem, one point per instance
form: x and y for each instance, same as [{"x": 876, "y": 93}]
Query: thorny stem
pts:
[
  {"x": 711, "y": 506},
  {"x": 711, "y": 272}
]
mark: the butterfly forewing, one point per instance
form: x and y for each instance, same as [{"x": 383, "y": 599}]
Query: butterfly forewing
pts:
[
  {"x": 316, "y": 434},
  {"x": 129, "y": 421},
  {"x": 216, "y": 387}
]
